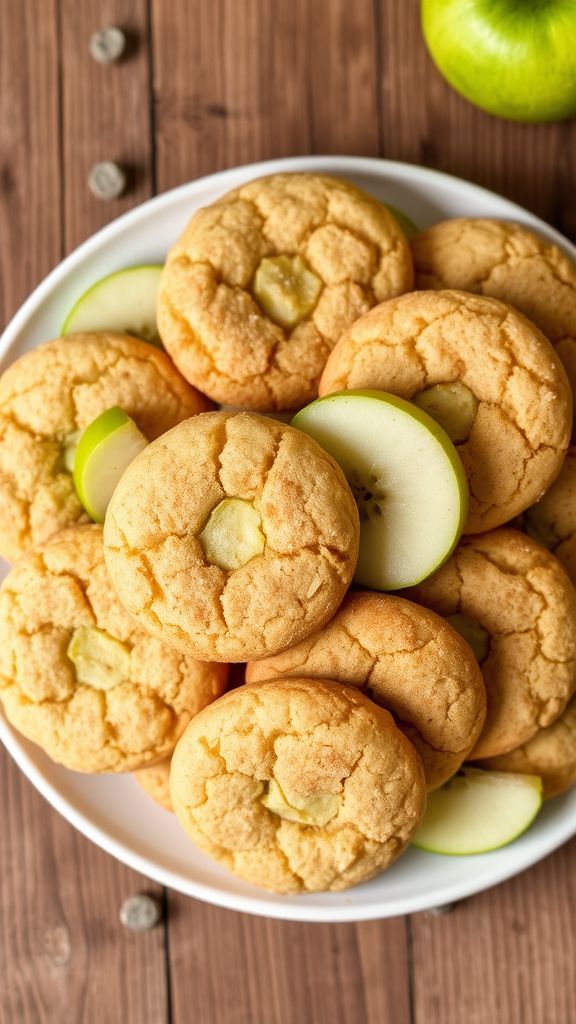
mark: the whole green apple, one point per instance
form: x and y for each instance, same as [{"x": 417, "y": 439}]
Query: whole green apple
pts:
[{"x": 513, "y": 58}]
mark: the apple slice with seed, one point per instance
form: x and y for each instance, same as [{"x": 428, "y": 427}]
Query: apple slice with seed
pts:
[
  {"x": 407, "y": 478},
  {"x": 106, "y": 448},
  {"x": 478, "y": 811}
]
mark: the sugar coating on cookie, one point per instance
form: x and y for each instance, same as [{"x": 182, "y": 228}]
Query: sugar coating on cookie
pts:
[
  {"x": 408, "y": 660},
  {"x": 509, "y": 262},
  {"x": 552, "y": 521},
  {"x": 517, "y": 426},
  {"x": 155, "y": 781},
  {"x": 232, "y": 537},
  {"x": 298, "y": 785},
  {"x": 506, "y": 587},
  {"x": 261, "y": 284},
  {"x": 551, "y": 754},
  {"x": 53, "y": 392},
  {"x": 77, "y": 676}
]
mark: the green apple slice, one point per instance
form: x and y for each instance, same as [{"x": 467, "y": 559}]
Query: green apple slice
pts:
[
  {"x": 124, "y": 302},
  {"x": 105, "y": 449},
  {"x": 478, "y": 811},
  {"x": 407, "y": 479}
]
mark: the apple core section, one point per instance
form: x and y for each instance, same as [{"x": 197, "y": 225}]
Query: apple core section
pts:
[{"x": 407, "y": 479}]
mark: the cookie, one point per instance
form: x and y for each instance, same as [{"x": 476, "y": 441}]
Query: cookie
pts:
[
  {"x": 513, "y": 601},
  {"x": 77, "y": 676},
  {"x": 155, "y": 781},
  {"x": 551, "y": 754},
  {"x": 408, "y": 660},
  {"x": 232, "y": 537},
  {"x": 53, "y": 392},
  {"x": 298, "y": 785},
  {"x": 262, "y": 283},
  {"x": 507, "y": 262},
  {"x": 552, "y": 521},
  {"x": 485, "y": 373}
]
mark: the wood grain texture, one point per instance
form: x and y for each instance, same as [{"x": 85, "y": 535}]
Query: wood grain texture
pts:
[
  {"x": 246, "y": 970},
  {"x": 30, "y": 193},
  {"x": 65, "y": 956},
  {"x": 106, "y": 112},
  {"x": 507, "y": 955},
  {"x": 238, "y": 82}
]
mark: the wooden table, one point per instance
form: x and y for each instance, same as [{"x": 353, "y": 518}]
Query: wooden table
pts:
[{"x": 207, "y": 84}]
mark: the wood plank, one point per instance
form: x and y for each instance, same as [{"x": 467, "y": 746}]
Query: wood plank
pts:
[
  {"x": 106, "y": 112},
  {"x": 506, "y": 955},
  {"x": 65, "y": 956},
  {"x": 236, "y": 82},
  {"x": 424, "y": 121},
  {"x": 234, "y": 968},
  {"x": 30, "y": 195}
]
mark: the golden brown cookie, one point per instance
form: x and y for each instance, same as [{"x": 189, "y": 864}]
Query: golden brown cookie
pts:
[
  {"x": 56, "y": 390},
  {"x": 298, "y": 785},
  {"x": 155, "y": 781},
  {"x": 551, "y": 754},
  {"x": 232, "y": 537},
  {"x": 508, "y": 262},
  {"x": 515, "y": 604},
  {"x": 408, "y": 660},
  {"x": 552, "y": 521},
  {"x": 77, "y": 676},
  {"x": 261, "y": 284},
  {"x": 485, "y": 373}
]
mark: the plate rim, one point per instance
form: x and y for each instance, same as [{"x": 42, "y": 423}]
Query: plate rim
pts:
[{"x": 210, "y": 893}]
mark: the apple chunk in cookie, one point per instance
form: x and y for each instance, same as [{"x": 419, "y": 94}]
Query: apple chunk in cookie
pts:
[
  {"x": 488, "y": 376},
  {"x": 232, "y": 536},
  {"x": 407, "y": 479},
  {"x": 407, "y": 660},
  {"x": 298, "y": 785}
]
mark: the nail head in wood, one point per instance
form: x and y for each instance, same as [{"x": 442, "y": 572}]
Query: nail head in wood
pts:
[
  {"x": 140, "y": 913},
  {"x": 107, "y": 44},
  {"x": 106, "y": 180}
]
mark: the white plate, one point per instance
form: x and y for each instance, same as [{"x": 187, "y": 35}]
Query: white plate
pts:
[{"x": 112, "y": 810}]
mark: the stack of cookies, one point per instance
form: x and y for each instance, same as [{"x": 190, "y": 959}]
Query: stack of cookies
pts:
[{"x": 233, "y": 537}]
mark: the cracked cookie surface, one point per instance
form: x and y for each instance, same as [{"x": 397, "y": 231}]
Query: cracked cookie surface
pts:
[
  {"x": 142, "y": 693},
  {"x": 408, "y": 660},
  {"x": 508, "y": 262},
  {"x": 54, "y": 391},
  {"x": 551, "y": 754},
  {"x": 155, "y": 781},
  {"x": 351, "y": 254},
  {"x": 552, "y": 521},
  {"x": 523, "y": 417},
  {"x": 326, "y": 752},
  {"x": 308, "y": 536},
  {"x": 519, "y": 594}
]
